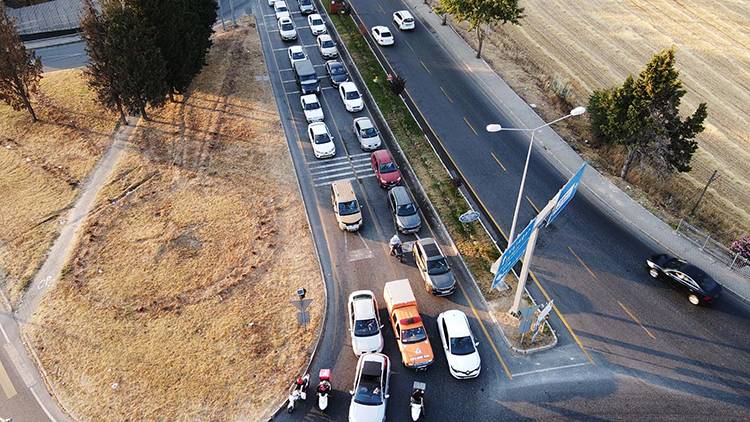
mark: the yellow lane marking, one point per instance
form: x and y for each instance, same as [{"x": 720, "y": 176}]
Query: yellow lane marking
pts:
[
  {"x": 497, "y": 160},
  {"x": 637, "y": 321},
  {"x": 446, "y": 95},
  {"x": 533, "y": 276},
  {"x": 532, "y": 204},
  {"x": 583, "y": 263},
  {"x": 470, "y": 126},
  {"x": 425, "y": 67},
  {"x": 486, "y": 333},
  {"x": 5, "y": 383}
]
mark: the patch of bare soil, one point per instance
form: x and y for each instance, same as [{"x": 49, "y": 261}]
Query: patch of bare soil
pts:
[
  {"x": 568, "y": 49},
  {"x": 42, "y": 165},
  {"x": 175, "y": 304}
]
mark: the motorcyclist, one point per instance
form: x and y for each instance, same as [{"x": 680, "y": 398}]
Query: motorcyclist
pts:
[
  {"x": 417, "y": 396},
  {"x": 396, "y": 246},
  {"x": 324, "y": 387}
]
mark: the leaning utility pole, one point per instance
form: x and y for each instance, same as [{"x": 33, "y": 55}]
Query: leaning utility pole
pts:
[{"x": 700, "y": 198}]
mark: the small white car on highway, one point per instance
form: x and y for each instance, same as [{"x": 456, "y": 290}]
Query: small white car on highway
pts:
[
  {"x": 370, "y": 392},
  {"x": 286, "y": 29},
  {"x": 382, "y": 35},
  {"x": 365, "y": 329},
  {"x": 327, "y": 47},
  {"x": 317, "y": 26},
  {"x": 321, "y": 140},
  {"x": 295, "y": 53},
  {"x": 311, "y": 107},
  {"x": 280, "y": 9},
  {"x": 351, "y": 97},
  {"x": 367, "y": 135},
  {"x": 458, "y": 344},
  {"x": 403, "y": 20}
]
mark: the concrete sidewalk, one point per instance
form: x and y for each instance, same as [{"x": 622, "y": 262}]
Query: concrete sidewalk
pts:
[
  {"x": 611, "y": 200},
  {"x": 53, "y": 42}
]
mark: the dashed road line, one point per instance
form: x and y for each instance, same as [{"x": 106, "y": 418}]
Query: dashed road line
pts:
[
  {"x": 6, "y": 384},
  {"x": 497, "y": 160},
  {"x": 583, "y": 263},
  {"x": 446, "y": 95},
  {"x": 470, "y": 126},
  {"x": 532, "y": 204},
  {"x": 425, "y": 66},
  {"x": 536, "y": 371},
  {"x": 637, "y": 321}
]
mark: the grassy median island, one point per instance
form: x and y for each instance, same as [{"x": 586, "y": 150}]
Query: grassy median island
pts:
[
  {"x": 475, "y": 246},
  {"x": 175, "y": 304},
  {"x": 42, "y": 166}
]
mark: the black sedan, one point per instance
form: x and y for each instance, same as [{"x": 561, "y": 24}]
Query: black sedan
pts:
[
  {"x": 700, "y": 287},
  {"x": 337, "y": 72}
]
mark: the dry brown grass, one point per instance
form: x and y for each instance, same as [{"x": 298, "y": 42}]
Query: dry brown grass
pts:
[
  {"x": 176, "y": 303},
  {"x": 41, "y": 166},
  {"x": 591, "y": 45}
]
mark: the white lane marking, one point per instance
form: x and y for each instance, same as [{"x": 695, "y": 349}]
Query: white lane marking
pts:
[
  {"x": 288, "y": 81},
  {"x": 6, "y": 384},
  {"x": 46, "y": 412},
  {"x": 292, "y": 92},
  {"x": 12, "y": 353},
  {"x": 520, "y": 374},
  {"x": 317, "y": 185},
  {"x": 338, "y": 169},
  {"x": 303, "y": 46},
  {"x": 331, "y": 176},
  {"x": 360, "y": 254},
  {"x": 2, "y": 330}
]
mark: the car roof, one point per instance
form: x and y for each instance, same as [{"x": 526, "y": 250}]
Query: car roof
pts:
[
  {"x": 364, "y": 122},
  {"x": 297, "y": 48},
  {"x": 318, "y": 127},
  {"x": 324, "y": 37},
  {"x": 383, "y": 156},
  {"x": 401, "y": 195},
  {"x": 285, "y": 19},
  {"x": 348, "y": 86},
  {"x": 404, "y": 13},
  {"x": 372, "y": 364},
  {"x": 457, "y": 323},
  {"x": 279, "y": 3},
  {"x": 314, "y": 15},
  {"x": 430, "y": 248},
  {"x": 364, "y": 308},
  {"x": 309, "y": 98}
]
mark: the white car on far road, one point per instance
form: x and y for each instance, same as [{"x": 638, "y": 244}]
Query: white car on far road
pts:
[
  {"x": 365, "y": 329},
  {"x": 351, "y": 97},
  {"x": 382, "y": 35},
  {"x": 317, "y": 26},
  {"x": 458, "y": 344},
  {"x": 295, "y": 53},
  {"x": 286, "y": 29},
  {"x": 403, "y": 20},
  {"x": 280, "y": 9},
  {"x": 321, "y": 140},
  {"x": 327, "y": 47},
  {"x": 311, "y": 107}
]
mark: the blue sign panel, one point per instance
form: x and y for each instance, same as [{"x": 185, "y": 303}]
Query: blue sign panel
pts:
[
  {"x": 566, "y": 194},
  {"x": 514, "y": 253}
]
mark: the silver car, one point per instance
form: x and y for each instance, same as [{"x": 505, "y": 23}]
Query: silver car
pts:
[
  {"x": 436, "y": 273},
  {"x": 370, "y": 393},
  {"x": 404, "y": 211},
  {"x": 367, "y": 135}
]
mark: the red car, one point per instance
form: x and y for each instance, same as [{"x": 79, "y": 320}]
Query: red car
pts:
[{"x": 385, "y": 168}]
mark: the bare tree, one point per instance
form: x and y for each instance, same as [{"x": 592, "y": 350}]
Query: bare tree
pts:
[{"x": 20, "y": 69}]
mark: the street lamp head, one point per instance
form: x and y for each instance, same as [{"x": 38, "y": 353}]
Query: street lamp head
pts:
[
  {"x": 577, "y": 111},
  {"x": 494, "y": 128}
]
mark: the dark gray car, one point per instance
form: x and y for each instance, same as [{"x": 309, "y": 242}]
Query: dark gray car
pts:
[
  {"x": 404, "y": 211},
  {"x": 436, "y": 273}
]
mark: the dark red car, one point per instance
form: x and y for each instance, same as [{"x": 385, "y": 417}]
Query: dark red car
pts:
[{"x": 385, "y": 168}]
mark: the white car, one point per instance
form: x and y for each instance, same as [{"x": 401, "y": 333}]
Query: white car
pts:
[
  {"x": 321, "y": 140},
  {"x": 403, "y": 20},
  {"x": 317, "y": 26},
  {"x": 351, "y": 97},
  {"x": 365, "y": 329},
  {"x": 459, "y": 345},
  {"x": 271, "y": 2},
  {"x": 286, "y": 29},
  {"x": 370, "y": 392},
  {"x": 280, "y": 9},
  {"x": 327, "y": 47},
  {"x": 367, "y": 135},
  {"x": 311, "y": 107},
  {"x": 382, "y": 35},
  {"x": 295, "y": 53}
]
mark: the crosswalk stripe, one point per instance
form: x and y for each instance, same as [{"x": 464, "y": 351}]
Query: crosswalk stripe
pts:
[{"x": 348, "y": 178}]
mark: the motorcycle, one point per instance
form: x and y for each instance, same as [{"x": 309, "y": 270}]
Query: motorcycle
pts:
[
  {"x": 416, "y": 401},
  {"x": 397, "y": 248},
  {"x": 324, "y": 388},
  {"x": 299, "y": 392}
]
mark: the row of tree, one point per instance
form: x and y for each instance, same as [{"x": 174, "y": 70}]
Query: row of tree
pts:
[{"x": 140, "y": 53}]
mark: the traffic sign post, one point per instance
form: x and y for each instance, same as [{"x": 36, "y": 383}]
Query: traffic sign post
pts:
[
  {"x": 513, "y": 253},
  {"x": 565, "y": 195}
]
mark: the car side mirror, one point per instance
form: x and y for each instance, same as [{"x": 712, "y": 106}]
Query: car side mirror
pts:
[
  {"x": 476, "y": 344},
  {"x": 381, "y": 326},
  {"x": 351, "y": 392},
  {"x": 387, "y": 395}
]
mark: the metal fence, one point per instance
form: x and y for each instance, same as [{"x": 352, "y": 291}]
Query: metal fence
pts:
[
  {"x": 56, "y": 15},
  {"x": 713, "y": 248}
]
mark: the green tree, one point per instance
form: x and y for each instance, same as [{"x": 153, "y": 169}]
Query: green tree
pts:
[
  {"x": 643, "y": 115},
  {"x": 479, "y": 14},
  {"x": 183, "y": 34},
  {"x": 20, "y": 69}
]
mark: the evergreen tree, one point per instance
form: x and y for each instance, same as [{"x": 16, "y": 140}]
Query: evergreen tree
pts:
[
  {"x": 20, "y": 69},
  {"x": 481, "y": 13},
  {"x": 643, "y": 115},
  {"x": 183, "y": 34}
]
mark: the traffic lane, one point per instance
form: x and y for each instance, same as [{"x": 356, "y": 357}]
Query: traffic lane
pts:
[
  {"x": 461, "y": 135},
  {"x": 66, "y": 56},
  {"x": 17, "y": 401}
]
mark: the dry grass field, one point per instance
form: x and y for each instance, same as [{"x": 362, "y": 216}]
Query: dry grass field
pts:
[
  {"x": 41, "y": 167},
  {"x": 175, "y": 305},
  {"x": 596, "y": 44}
]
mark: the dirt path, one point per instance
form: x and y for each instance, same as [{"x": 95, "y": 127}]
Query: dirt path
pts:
[{"x": 58, "y": 254}]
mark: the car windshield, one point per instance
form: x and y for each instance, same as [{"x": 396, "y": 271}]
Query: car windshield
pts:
[
  {"x": 287, "y": 26},
  {"x": 321, "y": 138},
  {"x": 312, "y": 106},
  {"x": 408, "y": 20},
  {"x": 413, "y": 335},
  {"x": 385, "y": 34},
  {"x": 327, "y": 44},
  {"x": 366, "y": 327},
  {"x": 298, "y": 55},
  {"x": 282, "y": 9},
  {"x": 404, "y": 210},
  {"x": 317, "y": 21},
  {"x": 337, "y": 69},
  {"x": 305, "y": 2},
  {"x": 368, "y": 391},
  {"x": 462, "y": 346},
  {"x": 370, "y": 132},
  {"x": 437, "y": 266},
  {"x": 308, "y": 78},
  {"x": 348, "y": 208},
  {"x": 388, "y": 167}
]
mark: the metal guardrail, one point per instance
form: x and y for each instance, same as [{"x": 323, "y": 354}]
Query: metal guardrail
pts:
[
  {"x": 52, "y": 16},
  {"x": 717, "y": 251}
]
